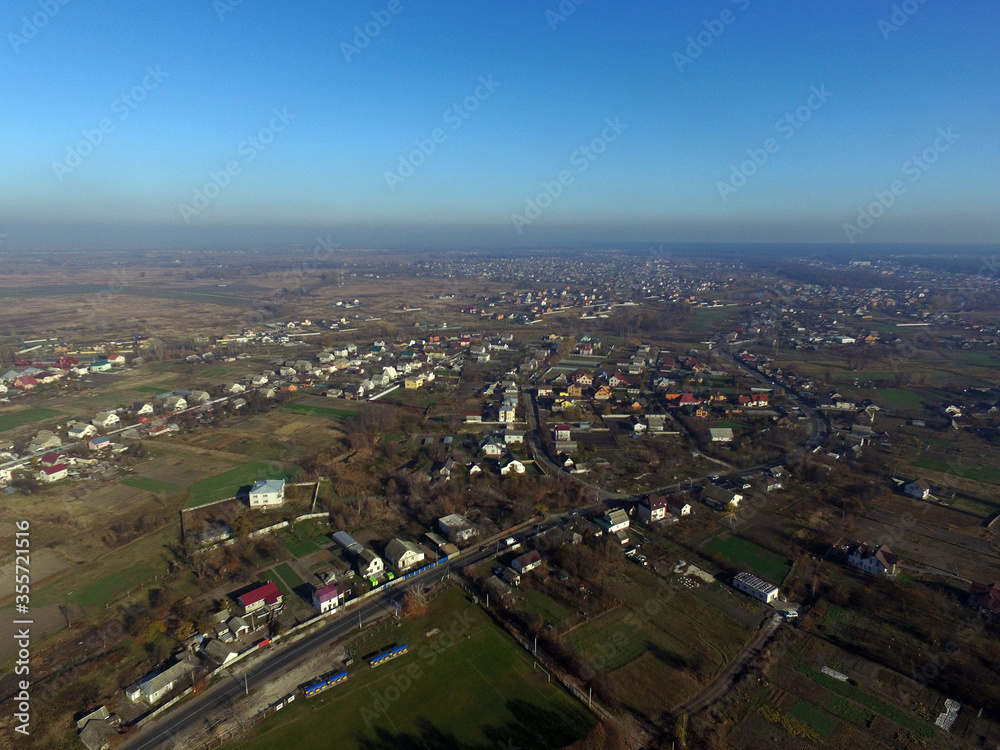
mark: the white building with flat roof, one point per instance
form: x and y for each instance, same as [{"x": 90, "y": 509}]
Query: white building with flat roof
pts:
[{"x": 756, "y": 587}]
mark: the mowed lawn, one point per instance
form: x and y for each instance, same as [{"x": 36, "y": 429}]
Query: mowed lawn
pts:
[
  {"x": 228, "y": 483},
  {"x": 468, "y": 687},
  {"x": 770, "y": 566},
  {"x": 16, "y": 419}
]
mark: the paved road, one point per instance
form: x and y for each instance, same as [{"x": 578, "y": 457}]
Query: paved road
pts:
[
  {"x": 161, "y": 733},
  {"x": 180, "y": 722}
]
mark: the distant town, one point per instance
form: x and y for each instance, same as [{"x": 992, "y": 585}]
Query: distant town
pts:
[{"x": 667, "y": 498}]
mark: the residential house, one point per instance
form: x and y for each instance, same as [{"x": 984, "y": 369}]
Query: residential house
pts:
[
  {"x": 175, "y": 403},
  {"x": 236, "y": 388},
  {"x": 603, "y": 394},
  {"x": 52, "y": 458},
  {"x": 919, "y": 489},
  {"x": 613, "y": 521},
  {"x": 105, "y": 420},
  {"x": 45, "y": 440},
  {"x": 720, "y": 497},
  {"x": 5, "y": 476},
  {"x": 199, "y": 397},
  {"x": 877, "y": 560},
  {"x": 510, "y": 437},
  {"x": 527, "y": 562},
  {"x": 99, "y": 443},
  {"x": 96, "y": 729},
  {"x": 238, "y": 626},
  {"x": 403, "y": 554},
  {"x": 457, "y": 528},
  {"x": 330, "y": 597},
  {"x": 50, "y": 474},
  {"x": 508, "y": 411},
  {"x": 142, "y": 408},
  {"x": 512, "y": 467},
  {"x": 651, "y": 508},
  {"x": 618, "y": 380},
  {"x": 267, "y": 493},
  {"x": 265, "y": 598},
  {"x": 369, "y": 564},
  {"x": 563, "y": 433},
  {"x": 493, "y": 448},
  {"x": 678, "y": 507},
  {"x": 153, "y": 687}
]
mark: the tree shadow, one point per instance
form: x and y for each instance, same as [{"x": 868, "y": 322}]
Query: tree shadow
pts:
[{"x": 532, "y": 727}]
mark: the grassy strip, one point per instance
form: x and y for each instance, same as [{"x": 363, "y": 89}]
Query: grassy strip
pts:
[{"x": 862, "y": 698}]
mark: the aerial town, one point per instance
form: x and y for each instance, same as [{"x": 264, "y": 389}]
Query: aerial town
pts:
[{"x": 640, "y": 497}]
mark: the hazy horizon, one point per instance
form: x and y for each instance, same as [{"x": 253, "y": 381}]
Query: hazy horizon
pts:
[{"x": 386, "y": 123}]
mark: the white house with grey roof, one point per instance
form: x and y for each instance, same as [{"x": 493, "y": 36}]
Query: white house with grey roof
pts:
[{"x": 267, "y": 493}]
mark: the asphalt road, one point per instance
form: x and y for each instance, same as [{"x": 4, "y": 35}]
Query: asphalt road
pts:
[{"x": 160, "y": 734}]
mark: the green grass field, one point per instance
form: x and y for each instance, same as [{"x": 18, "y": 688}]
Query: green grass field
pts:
[
  {"x": 851, "y": 711},
  {"x": 708, "y": 318},
  {"x": 302, "y": 548},
  {"x": 289, "y": 576},
  {"x": 536, "y": 602},
  {"x": 739, "y": 551},
  {"x": 879, "y": 706},
  {"x": 469, "y": 687},
  {"x": 17, "y": 419},
  {"x": 228, "y": 483},
  {"x": 152, "y": 485},
  {"x": 305, "y": 538},
  {"x": 900, "y": 399},
  {"x": 987, "y": 474},
  {"x": 815, "y": 717},
  {"x": 327, "y": 412}
]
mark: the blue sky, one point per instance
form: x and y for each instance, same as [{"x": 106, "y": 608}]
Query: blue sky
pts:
[{"x": 506, "y": 167}]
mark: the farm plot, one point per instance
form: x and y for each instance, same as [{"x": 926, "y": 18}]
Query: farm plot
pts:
[{"x": 768, "y": 565}]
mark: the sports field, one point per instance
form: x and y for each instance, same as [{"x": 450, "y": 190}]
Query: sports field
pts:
[{"x": 467, "y": 686}]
